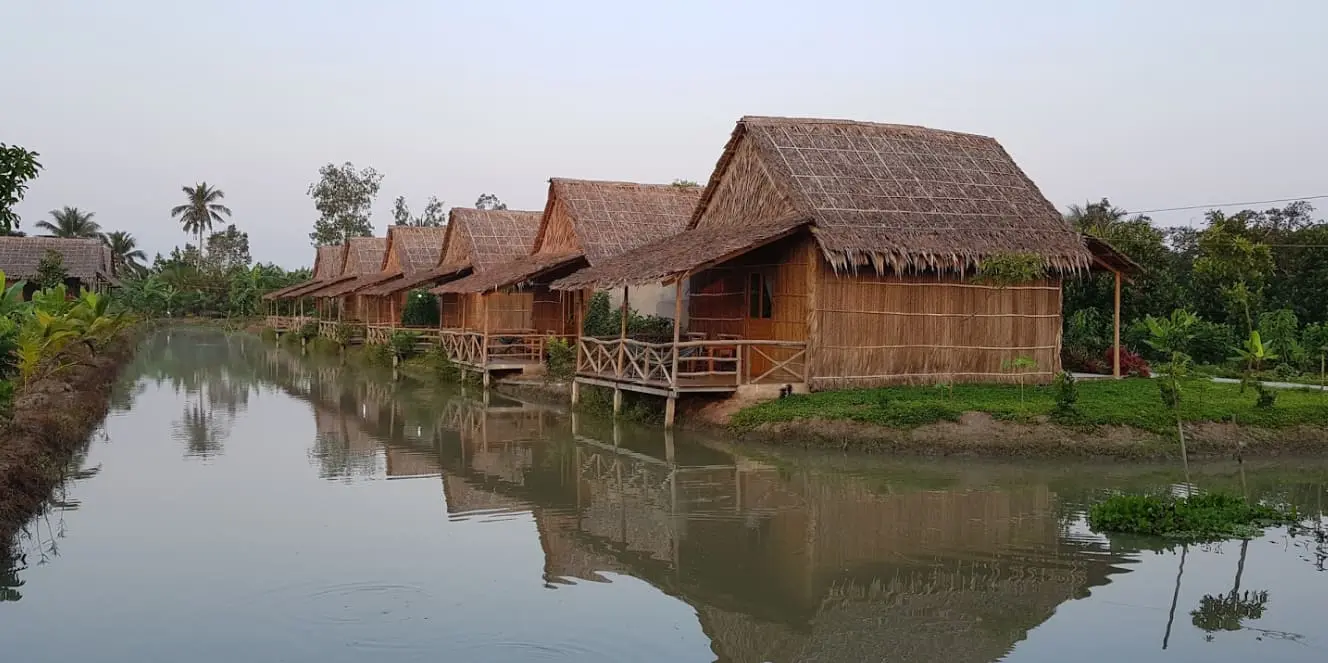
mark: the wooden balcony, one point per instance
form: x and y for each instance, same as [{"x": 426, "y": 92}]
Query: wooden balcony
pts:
[{"x": 668, "y": 369}]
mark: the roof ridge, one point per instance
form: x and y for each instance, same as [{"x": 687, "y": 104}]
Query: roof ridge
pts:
[
  {"x": 619, "y": 183},
  {"x": 775, "y": 120}
]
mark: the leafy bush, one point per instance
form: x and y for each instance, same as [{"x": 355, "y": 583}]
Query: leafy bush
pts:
[
  {"x": 1285, "y": 372},
  {"x": 404, "y": 344},
  {"x": 1265, "y": 397},
  {"x": 1067, "y": 391},
  {"x": 1202, "y": 517},
  {"x": 421, "y": 309},
  {"x": 307, "y": 331},
  {"x": 378, "y": 353},
  {"x": 560, "y": 359},
  {"x": 1212, "y": 342},
  {"x": 602, "y": 319},
  {"x": 1131, "y": 363}
]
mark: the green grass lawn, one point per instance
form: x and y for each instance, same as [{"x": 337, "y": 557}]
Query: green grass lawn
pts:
[{"x": 1133, "y": 402}]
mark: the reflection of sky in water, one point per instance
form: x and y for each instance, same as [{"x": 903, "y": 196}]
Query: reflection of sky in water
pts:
[{"x": 286, "y": 543}]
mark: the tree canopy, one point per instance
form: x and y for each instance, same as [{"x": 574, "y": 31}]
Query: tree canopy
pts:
[
  {"x": 18, "y": 166},
  {"x": 344, "y": 199},
  {"x": 70, "y": 222}
]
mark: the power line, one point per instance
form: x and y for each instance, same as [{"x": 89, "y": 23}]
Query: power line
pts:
[{"x": 1219, "y": 205}]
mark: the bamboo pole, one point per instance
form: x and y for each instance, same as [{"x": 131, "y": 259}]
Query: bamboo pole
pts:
[
  {"x": 578, "y": 301},
  {"x": 622, "y": 351},
  {"x": 1115, "y": 344},
  {"x": 670, "y": 408}
]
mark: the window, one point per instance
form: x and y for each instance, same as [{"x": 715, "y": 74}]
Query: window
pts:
[{"x": 760, "y": 296}]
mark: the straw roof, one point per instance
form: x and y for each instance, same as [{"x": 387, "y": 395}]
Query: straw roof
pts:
[
  {"x": 1110, "y": 257},
  {"x": 890, "y": 197},
  {"x": 328, "y": 262},
  {"x": 659, "y": 262},
  {"x": 363, "y": 259},
  {"x": 481, "y": 239},
  {"x": 607, "y": 219},
  {"x": 84, "y": 259},
  {"x": 418, "y": 250}
]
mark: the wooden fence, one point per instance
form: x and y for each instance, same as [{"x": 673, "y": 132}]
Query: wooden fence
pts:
[{"x": 693, "y": 364}]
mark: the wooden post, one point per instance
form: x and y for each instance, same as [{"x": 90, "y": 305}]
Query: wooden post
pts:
[
  {"x": 622, "y": 353},
  {"x": 392, "y": 311},
  {"x": 484, "y": 340},
  {"x": 671, "y": 406},
  {"x": 1115, "y": 344}
]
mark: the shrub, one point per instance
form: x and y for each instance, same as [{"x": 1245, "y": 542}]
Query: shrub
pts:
[
  {"x": 1265, "y": 397},
  {"x": 378, "y": 353},
  {"x": 1067, "y": 391},
  {"x": 1285, "y": 372},
  {"x": 404, "y": 344},
  {"x": 421, "y": 309},
  {"x": 1131, "y": 363},
  {"x": 560, "y": 359},
  {"x": 1212, "y": 342},
  {"x": 602, "y": 319},
  {"x": 1203, "y": 517}
]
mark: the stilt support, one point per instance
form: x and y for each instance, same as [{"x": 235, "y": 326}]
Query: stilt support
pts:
[
  {"x": 670, "y": 409},
  {"x": 576, "y": 393},
  {"x": 617, "y": 401}
]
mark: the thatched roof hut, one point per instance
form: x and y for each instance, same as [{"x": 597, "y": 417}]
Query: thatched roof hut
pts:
[
  {"x": 328, "y": 262},
  {"x": 588, "y": 222},
  {"x": 859, "y": 241},
  {"x": 411, "y": 251},
  {"x": 891, "y": 197},
  {"x": 86, "y": 261},
  {"x": 362, "y": 259}
]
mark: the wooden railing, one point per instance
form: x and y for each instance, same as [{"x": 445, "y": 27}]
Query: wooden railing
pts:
[
  {"x": 286, "y": 322},
  {"x": 698, "y": 363},
  {"x": 377, "y": 333},
  {"x": 462, "y": 347}
]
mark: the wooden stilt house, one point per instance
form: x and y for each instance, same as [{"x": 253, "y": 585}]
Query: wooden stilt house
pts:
[
  {"x": 412, "y": 251},
  {"x": 484, "y": 332},
  {"x": 362, "y": 259},
  {"x": 584, "y": 223},
  {"x": 286, "y": 306},
  {"x": 830, "y": 254}
]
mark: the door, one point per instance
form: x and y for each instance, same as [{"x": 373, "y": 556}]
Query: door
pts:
[{"x": 760, "y": 322}]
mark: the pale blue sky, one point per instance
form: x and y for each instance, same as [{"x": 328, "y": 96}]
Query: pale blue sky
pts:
[{"x": 1153, "y": 104}]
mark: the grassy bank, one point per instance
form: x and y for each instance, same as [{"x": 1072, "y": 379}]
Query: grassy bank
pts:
[
  {"x": 51, "y": 417},
  {"x": 1134, "y": 403}
]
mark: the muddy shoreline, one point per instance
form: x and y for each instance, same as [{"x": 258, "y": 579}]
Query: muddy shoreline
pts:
[{"x": 52, "y": 417}]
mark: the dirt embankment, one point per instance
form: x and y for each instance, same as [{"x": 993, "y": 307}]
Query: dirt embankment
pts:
[
  {"x": 51, "y": 418},
  {"x": 979, "y": 434}
]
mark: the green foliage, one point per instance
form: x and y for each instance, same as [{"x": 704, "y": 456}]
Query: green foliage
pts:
[
  {"x": 489, "y": 201},
  {"x": 228, "y": 250},
  {"x": 18, "y": 166},
  {"x": 203, "y": 208},
  {"x": 560, "y": 359},
  {"x": 70, "y": 222},
  {"x": 307, "y": 331},
  {"x": 602, "y": 320},
  {"x": 1203, "y": 517},
  {"x": 127, "y": 259},
  {"x": 421, "y": 309},
  {"x": 1265, "y": 397},
  {"x": 344, "y": 199},
  {"x": 1011, "y": 269},
  {"x": 1132, "y": 402},
  {"x": 1067, "y": 392},
  {"x": 598, "y": 401},
  {"x": 404, "y": 344},
  {"x": 685, "y": 184},
  {"x": 433, "y": 215},
  {"x": 180, "y": 287},
  {"x": 442, "y": 365},
  {"x": 51, "y": 269},
  {"x": 377, "y": 353}
]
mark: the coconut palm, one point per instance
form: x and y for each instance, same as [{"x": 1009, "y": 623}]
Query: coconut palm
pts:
[
  {"x": 124, "y": 252},
  {"x": 203, "y": 209},
  {"x": 70, "y": 222}
]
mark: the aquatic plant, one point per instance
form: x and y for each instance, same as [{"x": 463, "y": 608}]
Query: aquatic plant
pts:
[{"x": 1203, "y": 517}]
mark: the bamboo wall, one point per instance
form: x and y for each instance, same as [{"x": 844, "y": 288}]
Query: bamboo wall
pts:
[
  {"x": 720, "y": 300},
  {"x": 450, "y": 307},
  {"x": 552, "y": 311},
  {"x": 508, "y": 312},
  {"x": 874, "y": 330}
]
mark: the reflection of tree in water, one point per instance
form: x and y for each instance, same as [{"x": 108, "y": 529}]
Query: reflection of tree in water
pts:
[
  {"x": 201, "y": 430},
  {"x": 1226, "y": 612}
]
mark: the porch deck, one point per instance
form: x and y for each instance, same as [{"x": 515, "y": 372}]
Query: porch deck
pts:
[{"x": 670, "y": 369}]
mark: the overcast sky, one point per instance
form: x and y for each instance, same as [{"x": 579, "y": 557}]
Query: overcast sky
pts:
[{"x": 1151, "y": 103}]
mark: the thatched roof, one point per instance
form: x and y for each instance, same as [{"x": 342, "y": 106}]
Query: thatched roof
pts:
[
  {"x": 1107, "y": 256},
  {"x": 607, "y": 219},
  {"x": 479, "y": 240},
  {"x": 418, "y": 250},
  {"x": 363, "y": 259},
  {"x": 328, "y": 262},
  {"x": 655, "y": 263},
  {"x": 890, "y": 197},
  {"x": 84, "y": 259}
]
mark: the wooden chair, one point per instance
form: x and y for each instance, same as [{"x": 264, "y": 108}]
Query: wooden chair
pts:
[{"x": 723, "y": 352}]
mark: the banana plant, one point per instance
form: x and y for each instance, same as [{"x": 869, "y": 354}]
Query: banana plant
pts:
[{"x": 41, "y": 337}]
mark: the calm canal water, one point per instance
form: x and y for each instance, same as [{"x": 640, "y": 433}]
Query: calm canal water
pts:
[{"x": 245, "y": 503}]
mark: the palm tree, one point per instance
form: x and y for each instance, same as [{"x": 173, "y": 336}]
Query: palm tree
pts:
[
  {"x": 124, "y": 252},
  {"x": 70, "y": 222},
  {"x": 203, "y": 209}
]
